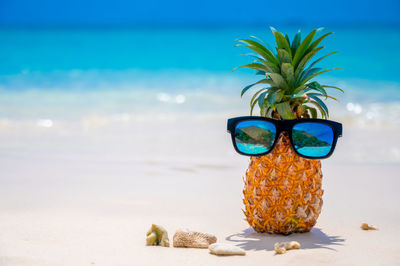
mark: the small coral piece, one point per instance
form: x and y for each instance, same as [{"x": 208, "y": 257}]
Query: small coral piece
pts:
[
  {"x": 157, "y": 236},
  {"x": 365, "y": 226},
  {"x": 281, "y": 248},
  {"x": 225, "y": 249},
  {"x": 191, "y": 239}
]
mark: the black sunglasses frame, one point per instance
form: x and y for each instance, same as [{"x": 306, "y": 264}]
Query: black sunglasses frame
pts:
[{"x": 285, "y": 126}]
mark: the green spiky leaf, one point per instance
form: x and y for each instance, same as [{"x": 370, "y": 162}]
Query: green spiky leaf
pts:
[
  {"x": 321, "y": 58},
  {"x": 260, "y": 49},
  {"x": 333, "y": 87},
  {"x": 320, "y": 103},
  {"x": 261, "y": 98},
  {"x": 316, "y": 86},
  {"x": 284, "y": 111},
  {"x": 282, "y": 43},
  {"x": 256, "y": 56},
  {"x": 256, "y": 66},
  {"x": 299, "y": 88},
  {"x": 278, "y": 80},
  {"x": 287, "y": 39},
  {"x": 296, "y": 42},
  {"x": 307, "y": 73},
  {"x": 316, "y": 74},
  {"x": 306, "y": 58},
  {"x": 271, "y": 67},
  {"x": 252, "y": 105},
  {"x": 263, "y": 81},
  {"x": 316, "y": 42},
  {"x": 254, "y": 100},
  {"x": 259, "y": 72},
  {"x": 266, "y": 45},
  {"x": 303, "y": 47},
  {"x": 321, "y": 110},
  {"x": 271, "y": 98},
  {"x": 284, "y": 56},
  {"x": 313, "y": 112},
  {"x": 288, "y": 73},
  {"x": 321, "y": 95},
  {"x": 280, "y": 95}
]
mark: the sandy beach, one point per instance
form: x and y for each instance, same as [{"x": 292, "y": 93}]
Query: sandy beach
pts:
[
  {"x": 113, "y": 117},
  {"x": 86, "y": 194}
]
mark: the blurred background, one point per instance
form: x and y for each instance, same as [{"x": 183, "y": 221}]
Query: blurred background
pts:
[{"x": 137, "y": 79}]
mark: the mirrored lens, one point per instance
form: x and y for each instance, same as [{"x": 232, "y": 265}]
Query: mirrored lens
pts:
[
  {"x": 254, "y": 137},
  {"x": 312, "y": 139}
]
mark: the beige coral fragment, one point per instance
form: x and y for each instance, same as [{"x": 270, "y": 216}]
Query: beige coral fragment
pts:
[
  {"x": 281, "y": 248},
  {"x": 157, "y": 236},
  {"x": 192, "y": 239}
]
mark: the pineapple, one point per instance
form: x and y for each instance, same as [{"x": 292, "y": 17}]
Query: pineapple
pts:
[{"x": 283, "y": 191}]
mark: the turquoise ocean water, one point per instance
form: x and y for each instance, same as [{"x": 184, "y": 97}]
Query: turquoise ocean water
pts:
[{"x": 69, "y": 73}]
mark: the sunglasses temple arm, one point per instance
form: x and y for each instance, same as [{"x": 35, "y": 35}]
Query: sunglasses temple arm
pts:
[{"x": 229, "y": 126}]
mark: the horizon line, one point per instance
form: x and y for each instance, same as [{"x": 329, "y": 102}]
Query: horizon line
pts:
[{"x": 196, "y": 25}]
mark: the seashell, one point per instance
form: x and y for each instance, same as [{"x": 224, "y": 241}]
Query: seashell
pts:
[
  {"x": 365, "y": 226},
  {"x": 191, "y": 239},
  {"x": 157, "y": 236},
  {"x": 225, "y": 249},
  {"x": 281, "y": 248}
]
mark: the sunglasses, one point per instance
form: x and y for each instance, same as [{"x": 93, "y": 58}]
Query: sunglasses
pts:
[{"x": 310, "y": 138}]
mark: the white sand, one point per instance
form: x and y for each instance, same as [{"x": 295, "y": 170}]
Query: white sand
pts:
[{"x": 87, "y": 195}]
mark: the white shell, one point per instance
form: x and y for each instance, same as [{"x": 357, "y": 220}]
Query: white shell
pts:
[{"x": 225, "y": 249}]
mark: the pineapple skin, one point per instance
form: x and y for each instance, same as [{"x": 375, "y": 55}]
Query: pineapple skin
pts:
[{"x": 282, "y": 191}]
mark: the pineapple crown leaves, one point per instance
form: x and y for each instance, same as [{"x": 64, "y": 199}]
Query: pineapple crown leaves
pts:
[{"x": 288, "y": 74}]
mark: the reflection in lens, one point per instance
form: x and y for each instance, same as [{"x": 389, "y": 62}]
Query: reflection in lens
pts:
[
  {"x": 254, "y": 137},
  {"x": 312, "y": 139}
]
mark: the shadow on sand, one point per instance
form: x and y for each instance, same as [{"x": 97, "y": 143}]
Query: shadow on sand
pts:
[{"x": 248, "y": 239}]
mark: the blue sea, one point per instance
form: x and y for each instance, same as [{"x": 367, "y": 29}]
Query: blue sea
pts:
[{"x": 48, "y": 74}]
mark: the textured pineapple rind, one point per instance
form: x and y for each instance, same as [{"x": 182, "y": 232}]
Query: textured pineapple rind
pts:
[{"x": 282, "y": 191}]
